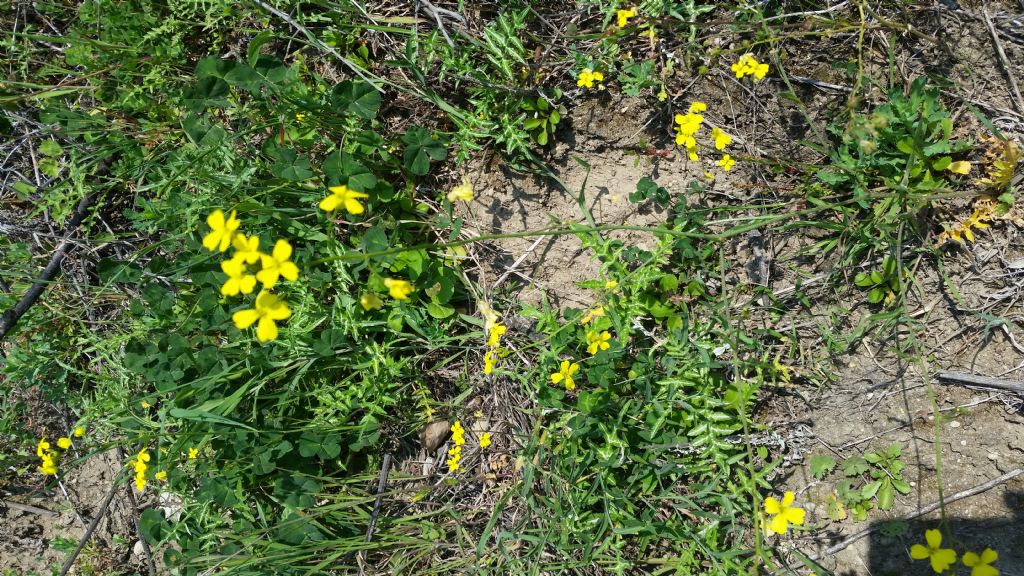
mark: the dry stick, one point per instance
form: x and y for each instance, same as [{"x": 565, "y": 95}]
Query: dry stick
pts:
[
  {"x": 11, "y": 317},
  {"x": 1018, "y": 102},
  {"x": 92, "y": 528},
  {"x": 27, "y": 508},
  {"x": 982, "y": 381},
  {"x": 382, "y": 482},
  {"x": 516, "y": 264},
  {"x": 921, "y": 512},
  {"x": 316, "y": 42}
]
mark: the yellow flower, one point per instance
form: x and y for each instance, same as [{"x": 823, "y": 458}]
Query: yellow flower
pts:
[
  {"x": 221, "y": 231},
  {"x": 79, "y": 432},
  {"x": 342, "y": 196},
  {"x": 721, "y": 139},
  {"x": 462, "y": 192},
  {"x": 698, "y": 107},
  {"x": 591, "y": 314},
  {"x": 49, "y": 467},
  {"x": 193, "y": 453},
  {"x": 564, "y": 374},
  {"x": 161, "y": 476},
  {"x": 485, "y": 439},
  {"x": 726, "y": 162},
  {"x": 587, "y": 78},
  {"x": 238, "y": 279},
  {"x": 144, "y": 404},
  {"x": 785, "y": 513},
  {"x": 979, "y": 565},
  {"x": 959, "y": 167},
  {"x": 246, "y": 249},
  {"x": 140, "y": 467},
  {"x": 300, "y": 117},
  {"x": 597, "y": 341},
  {"x": 42, "y": 448},
  {"x": 489, "y": 358},
  {"x": 495, "y": 334},
  {"x": 64, "y": 443},
  {"x": 399, "y": 289},
  {"x": 370, "y": 301},
  {"x": 748, "y": 65},
  {"x": 624, "y": 15},
  {"x": 268, "y": 309},
  {"x": 277, "y": 264},
  {"x": 611, "y": 285},
  {"x": 941, "y": 558}
]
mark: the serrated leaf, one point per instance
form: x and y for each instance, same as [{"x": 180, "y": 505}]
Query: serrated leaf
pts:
[
  {"x": 870, "y": 489},
  {"x": 836, "y": 508},
  {"x": 821, "y": 465},
  {"x": 50, "y": 148},
  {"x": 854, "y": 466}
]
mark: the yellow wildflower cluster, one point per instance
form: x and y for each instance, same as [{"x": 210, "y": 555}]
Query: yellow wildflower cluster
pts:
[
  {"x": 494, "y": 330},
  {"x": 941, "y": 559},
  {"x": 748, "y": 65},
  {"x": 485, "y": 439},
  {"x": 589, "y": 317},
  {"x": 784, "y": 514},
  {"x": 268, "y": 307},
  {"x": 688, "y": 125},
  {"x": 48, "y": 456},
  {"x": 984, "y": 212},
  {"x": 623, "y": 16},
  {"x": 140, "y": 465},
  {"x": 587, "y": 78},
  {"x": 686, "y": 130},
  {"x": 455, "y": 452},
  {"x": 597, "y": 341},
  {"x": 565, "y": 373}
]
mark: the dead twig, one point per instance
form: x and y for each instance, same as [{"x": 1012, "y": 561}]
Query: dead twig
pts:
[
  {"x": 437, "y": 13},
  {"x": 382, "y": 483},
  {"x": 981, "y": 381},
  {"x": 1018, "y": 102},
  {"x": 27, "y": 508},
  {"x": 92, "y": 528},
  {"x": 316, "y": 42},
  {"x": 11, "y": 317}
]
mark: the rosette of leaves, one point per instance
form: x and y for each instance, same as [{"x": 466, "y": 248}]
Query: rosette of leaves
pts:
[
  {"x": 542, "y": 117},
  {"x": 882, "y": 283}
]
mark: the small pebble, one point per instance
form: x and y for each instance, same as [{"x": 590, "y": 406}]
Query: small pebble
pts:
[
  {"x": 963, "y": 442},
  {"x": 954, "y": 424},
  {"x": 993, "y": 456}
]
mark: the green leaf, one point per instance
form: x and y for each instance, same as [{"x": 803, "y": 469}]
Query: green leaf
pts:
[
  {"x": 876, "y": 295},
  {"x": 863, "y": 280},
  {"x": 855, "y": 465},
  {"x": 208, "y": 91},
  {"x": 821, "y": 465},
  {"x": 152, "y": 525},
  {"x": 940, "y": 147},
  {"x": 438, "y": 310},
  {"x": 420, "y": 149},
  {"x": 50, "y": 148},
  {"x": 291, "y": 166},
  {"x": 942, "y": 163},
  {"x": 886, "y": 495},
  {"x": 49, "y": 166},
  {"x": 870, "y": 489},
  {"x": 357, "y": 98}
]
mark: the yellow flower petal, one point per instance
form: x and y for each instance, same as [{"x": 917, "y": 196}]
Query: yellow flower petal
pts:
[
  {"x": 959, "y": 167},
  {"x": 772, "y": 506},
  {"x": 933, "y": 538},
  {"x": 245, "y": 318},
  {"x": 64, "y": 443},
  {"x": 266, "y": 330},
  {"x": 330, "y": 203},
  {"x": 778, "y": 525},
  {"x": 919, "y": 552}
]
